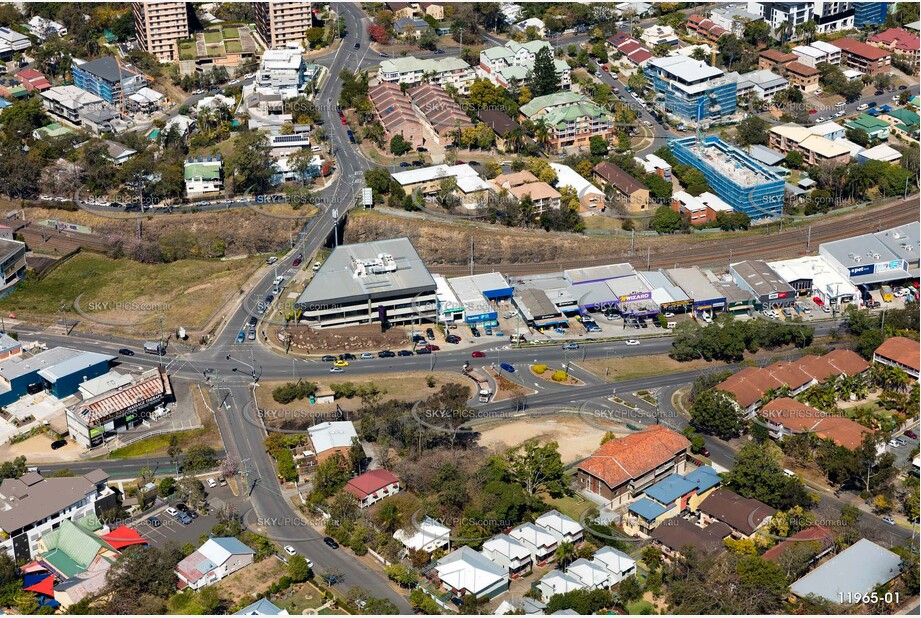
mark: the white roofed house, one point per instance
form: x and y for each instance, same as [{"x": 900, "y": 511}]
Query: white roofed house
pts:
[
  {"x": 332, "y": 437},
  {"x": 618, "y": 564},
  {"x": 564, "y": 529},
  {"x": 592, "y": 575},
  {"x": 557, "y": 582},
  {"x": 538, "y": 540},
  {"x": 466, "y": 571},
  {"x": 509, "y": 554},
  {"x": 590, "y": 196},
  {"x": 212, "y": 562},
  {"x": 428, "y": 535}
]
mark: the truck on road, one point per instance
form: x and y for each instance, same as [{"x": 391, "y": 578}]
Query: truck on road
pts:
[
  {"x": 484, "y": 391},
  {"x": 153, "y": 347}
]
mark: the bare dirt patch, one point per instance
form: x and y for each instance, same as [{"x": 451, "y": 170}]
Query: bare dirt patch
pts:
[
  {"x": 576, "y": 438},
  {"x": 254, "y": 579},
  {"x": 364, "y": 338},
  {"x": 637, "y": 367}
]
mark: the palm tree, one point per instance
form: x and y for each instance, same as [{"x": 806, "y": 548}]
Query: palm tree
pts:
[
  {"x": 514, "y": 139},
  {"x": 542, "y": 133},
  {"x": 389, "y": 517},
  {"x": 565, "y": 553},
  {"x": 699, "y": 54}
]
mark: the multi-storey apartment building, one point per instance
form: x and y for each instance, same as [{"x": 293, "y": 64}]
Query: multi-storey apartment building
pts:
[
  {"x": 691, "y": 89},
  {"x": 158, "y": 25},
  {"x": 815, "y": 148},
  {"x": 281, "y": 23},
  {"x": 862, "y": 57},
  {"x": 784, "y": 17},
  {"x": 412, "y": 71},
  {"x": 514, "y": 61},
  {"x": 572, "y": 119}
]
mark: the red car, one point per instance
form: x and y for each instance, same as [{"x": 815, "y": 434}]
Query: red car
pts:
[
  {"x": 344, "y": 121},
  {"x": 478, "y": 354},
  {"x": 432, "y": 347},
  {"x": 604, "y": 68},
  {"x": 911, "y": 434},
  {"x": 297, "y": 262},
  {"x": 818, "y": 301}
]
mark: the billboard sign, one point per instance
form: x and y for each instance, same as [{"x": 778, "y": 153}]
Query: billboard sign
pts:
[
  {"x": 856, "y": 271},
  {"x": 628, "y": 298}
]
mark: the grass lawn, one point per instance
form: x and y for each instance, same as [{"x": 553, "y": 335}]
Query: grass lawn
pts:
[
  {"x": 307, "y": 597},
  {"x": 637, "y": 367},
  {"x": 233, "y": 47},
  {"x": 214, "y": 36},
  {"x": 157, "y": 445},
  {"x": 573, "y": 506},
  {"x": 601, "y": 222},
  {"x": 121, "y": 295},
  {"x": 215, "y": 51},
  {"x": 231, "y": 33},
  {"x": 187, "y": 50},
  {"x": 640, "y": 607}
]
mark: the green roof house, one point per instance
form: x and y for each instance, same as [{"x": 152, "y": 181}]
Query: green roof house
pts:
[
  {"x": 874, "y": 127},
  {"x": 904, "y": 122},
  {"x": 204, "y": 175}
]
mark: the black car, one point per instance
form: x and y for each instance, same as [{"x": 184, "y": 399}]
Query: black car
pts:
[
  {"x": 357, "y": 45},
  {"x": 329, "y": 358},
  {"x": 430, "y": 334},
  {"x": 422, "y": 149},
  {"x": 331, "y": 542},
  {"x": 385, "y": 354},
  {"x": 58, "y": 444},
  {"x": 153, "y": 521},
  {"x": 423, "y": 351},
  {"x": 439, "y": 51},
  {"x": 475, "y": 331},
  {"x": 404, "y": 353},
  {"x": 182, "y": 507},
  {"x": 269, "y": 298},
  {"x": 903, "y": 87},
  {"x": 252, "y": 321},
  {"x": 126, "y": 352},
  {"x": 405, "y": 164},
  {"x": 347, "y": 357},
  {"x": 452, "y": 339},
  {"x": 878, "y": 93}
]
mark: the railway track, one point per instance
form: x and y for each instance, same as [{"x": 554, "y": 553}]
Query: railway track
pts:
[{"x": 786, "y": 244}]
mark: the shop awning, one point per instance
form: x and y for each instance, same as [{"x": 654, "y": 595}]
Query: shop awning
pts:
[{"x": 123, "y": 536}]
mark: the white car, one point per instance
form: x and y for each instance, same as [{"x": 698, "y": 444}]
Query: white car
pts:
[
  {"x": 336, "y": 370},
  {"x": 366, "y": 355},
  {"x": 669, "y": 314},
  {"x": 894, "y": 443},
  {"x": 172, "y": 512},
  {"x": 862, "y": 107},
  {"x": 212, "y": 483},
  {"x": 290, "y": 550},
  {"x": 632, "y": 342},
  {"x": 316, "y": 266}
]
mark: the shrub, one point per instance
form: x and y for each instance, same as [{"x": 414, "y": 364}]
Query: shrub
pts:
[
  {"x": 539, "y": 369},
  {"x": 288, "y": 392},
  {"x": 559, "y": 376}
]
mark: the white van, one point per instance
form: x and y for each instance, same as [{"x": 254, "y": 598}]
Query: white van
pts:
[
  {"x": 862, "y": 107},
  {"x": 840, "y": 104},
  {"x": 671, "y": 325},
  {"x": 789, "y": 473}
]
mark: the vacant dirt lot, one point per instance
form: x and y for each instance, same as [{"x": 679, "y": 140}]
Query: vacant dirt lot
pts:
[
  {"x": 254, "y": 579},
  {"x": 637, "y": 367},
  {"x": 576, "y": 438},
  {"x": 365, "y": 338}
]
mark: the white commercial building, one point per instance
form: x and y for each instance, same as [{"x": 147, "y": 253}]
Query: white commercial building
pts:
[
  {"x": 763, "y": 83},
  {"x": 828, "y": 16},
  {"x": 281, "y": 72},
  {"x": 820, "y": 51},
  {"x": 812, "y": 275}
]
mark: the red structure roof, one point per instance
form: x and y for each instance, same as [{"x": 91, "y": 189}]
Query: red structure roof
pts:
[
  {"x": 123, "y": 536},
  {"x": 369, "y": 483},
  {"x": 45, "y": 587}
]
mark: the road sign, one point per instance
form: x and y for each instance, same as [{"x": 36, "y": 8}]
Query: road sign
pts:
[{"x": 367, "y": 198}]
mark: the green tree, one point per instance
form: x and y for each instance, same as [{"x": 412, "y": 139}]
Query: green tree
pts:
[
  {"x": 630, "y": 589},
  {"x": 758, "y": 474},
  {"x": 598, "y": 146},
  {"x": 544, "y": 78},
  {"x": 298, "y": 568},
  {"x": 665, "y": 220},
  {"x": 399, "y": 146},
  {"x": 537, "y": 467},
  {"x": 251, "y": 162},
  {"x": 715, "y": 413},
  {"x": 200, "y": 457},
  {"x": 753, "y": 130}
]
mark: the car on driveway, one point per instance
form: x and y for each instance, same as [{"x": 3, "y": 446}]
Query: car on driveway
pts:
[
  {"x": 126, "y": 352},
  {"x": 290, "y": 550},
  {"x": 331, "y": 542},
  {"x": 58, "y": 444},
  {"x": 507, "y": 367},
  {"x": 430, "y": 334},
  {"x": 632, "y": 342},
  {"x": 453, "y": 339},
  {"x": 478, "y": 354}
]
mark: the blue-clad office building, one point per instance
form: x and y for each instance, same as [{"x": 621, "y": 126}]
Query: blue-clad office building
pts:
[
  {"x": 870, "y": 13},
  {"x": 742, "y": 182}
]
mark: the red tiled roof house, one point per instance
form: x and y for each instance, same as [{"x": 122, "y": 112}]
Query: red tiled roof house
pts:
[{"x": 373, "y": 486}]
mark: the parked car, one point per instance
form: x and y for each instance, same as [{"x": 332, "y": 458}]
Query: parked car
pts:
[
  {"x": 329, "y": 358},
  {"x": 475, "y": 332},
  {"x": 453, "y": 339},
  {"x": 271, "y": 260},
  {"x": 58, "y": 444},
  {"x": 404, "y": 353},
  {"x": 911, "y": 434},
  {"x": 430, "y": 334},
  {"x": 432, "y": 347},
  {"x": 385, "y": 354},
  {"x": 818, "y": 301},
  {"x": 570, "y": 346},
  {"x": 424, "y": 350},
  {"x": 507, "y": 367},
  {"x": 331, "y": 542},
  {"x": 347, "y": 356},
  {"x": 366, "y": 356},
  {"x": 478, "y": 354},
  {"x": 172, "y": 512},
  {"x": 212, "y": 483},
  {"x": 153, "y": 521},
  {"x": 290, "y": 550}
]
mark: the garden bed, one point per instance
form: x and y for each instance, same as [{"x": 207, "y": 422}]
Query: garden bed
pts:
[{"x": 555, "y": 376}]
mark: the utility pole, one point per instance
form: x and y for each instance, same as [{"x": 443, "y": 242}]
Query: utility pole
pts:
[
  {"x": 471, "y": 255},
  {"x": 160, "y": 349},
  {"x": 808, "y": 237},
  {"x": 648, "y": 257}
]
